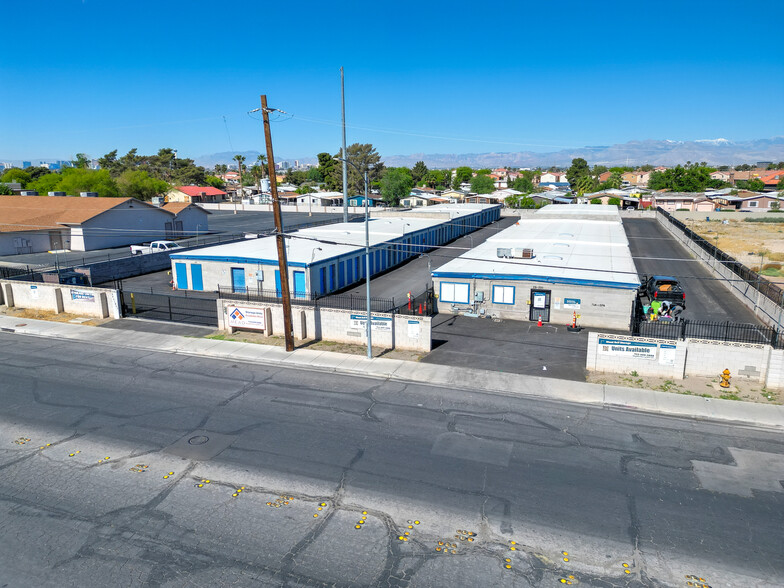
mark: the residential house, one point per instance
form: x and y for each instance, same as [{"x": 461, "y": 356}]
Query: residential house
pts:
[
  {"x": 603, "y": 177},
  {"x": 636, "y": 178},
  {"x": 416, "y": 200},
  {"x": 194, "y": 194},
  {"x": 321, "y": 199},
  {"x": 359, "y": 200},
  {"x": 772, "y": 180},
  {"x": 455, "y": 195},
  {"x": 761, "y": 202},
  {"x": 499, "y": 180},
  {"x": 692, "y": 201},
  {"x": 33, "y": 224},
  {"x": 724, "y": 176}
]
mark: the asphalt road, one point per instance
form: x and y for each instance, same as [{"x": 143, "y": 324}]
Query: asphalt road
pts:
[
  {"x": 125, "y": 468},
  {"x": 656, "y": 252}
]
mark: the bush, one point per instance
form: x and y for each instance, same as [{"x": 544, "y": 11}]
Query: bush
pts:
[{"x": 763, "y": 220}]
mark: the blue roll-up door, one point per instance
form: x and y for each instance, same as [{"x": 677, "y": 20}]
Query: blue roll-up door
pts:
[
  {"x": 197, "y": 283},
  {"x": 341, "y": 274},
  {"x": 238, "y": 279},
  {"x": 278, "y": 289},
  {"x": 181, "y": 272},
  {"x": 299, "y": 285},
  {"x": 331, "y": 277},
  {"x": 322, "y": 280}
]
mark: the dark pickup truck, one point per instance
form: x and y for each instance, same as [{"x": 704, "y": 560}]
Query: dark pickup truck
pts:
[{"x": 663, "y": 288}]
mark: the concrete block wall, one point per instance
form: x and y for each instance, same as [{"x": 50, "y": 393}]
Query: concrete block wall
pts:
[
  {"x": 58, "y": 298},
  {"x": 668, "y": 364},
  {"x": 775, "y": 377},
  {"x": 127, "y": 267},
  {"x": 745, "y": 360},
  {"x": 330, "y": 324}
]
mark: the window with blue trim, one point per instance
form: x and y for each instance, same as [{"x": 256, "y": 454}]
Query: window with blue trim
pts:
[
  {"x": 503, "y": 295},
  {"x": 454, "y": 292}
]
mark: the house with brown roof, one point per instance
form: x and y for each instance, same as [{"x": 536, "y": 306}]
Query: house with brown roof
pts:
[
  {"x": 33, "y": 224},
  {"x": 189, "y": 219},
  {"x": 195, "y": 194}
]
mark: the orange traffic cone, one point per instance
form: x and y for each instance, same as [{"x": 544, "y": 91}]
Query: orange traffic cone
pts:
[
  {"x": 420, "y": 308},
  {"x": 539, "y": 324}
]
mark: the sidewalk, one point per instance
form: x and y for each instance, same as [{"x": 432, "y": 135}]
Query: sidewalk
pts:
[{"x": 478, "y": 380}]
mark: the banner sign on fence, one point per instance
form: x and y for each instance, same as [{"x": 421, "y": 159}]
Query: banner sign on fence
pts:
[
  {"x": 377, "y": 323},
  {"x": 246, "y": 318},
  {"x": 627, "y": 348},
  {"x": 82, "y": 296}
]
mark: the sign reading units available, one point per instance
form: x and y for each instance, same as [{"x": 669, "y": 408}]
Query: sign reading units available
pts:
[
  {"x": 82, "y": 296},
  {"x": 627, "y": 348},
  {"x": 572, "y": 303},
  {"x": 377, "y": 323},
  {"x": 246, "y": 318}
]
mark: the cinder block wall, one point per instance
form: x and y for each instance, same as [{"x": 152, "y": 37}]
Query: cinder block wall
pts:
[
  {"x": 330, "y": 324},
  {"x": 604, "y": 361},
  {"x": 79, "y": 300},
  {"x": 709, "y": 358}
]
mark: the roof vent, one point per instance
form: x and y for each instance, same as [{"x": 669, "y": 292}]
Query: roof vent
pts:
[
  {"x": 522, "y": 253},
  {"x": 503, "y": 252}
]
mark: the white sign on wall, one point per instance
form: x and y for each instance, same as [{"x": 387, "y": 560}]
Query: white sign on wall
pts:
[
  {"x": 539, "y": 300},
  {"x": 34, "y": 291},
  {"x": 413, "y": 329},
  {"x": 377, "y": 323},
  {"x": 627, "y": 348},
  {"x": 572, "y": 303},
  {"x": 667, "y": 354},
  {"x": 246, "y": 318},
  {"x": 82, "y": 296}
]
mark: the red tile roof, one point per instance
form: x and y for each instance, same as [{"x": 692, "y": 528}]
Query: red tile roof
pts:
[{"x": 197, "y": 190}]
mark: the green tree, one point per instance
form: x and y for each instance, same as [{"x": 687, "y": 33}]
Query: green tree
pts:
[
  {"x": 755, "y": 185},
  {"x": 578, "y": 170},
  {"x": 418, "y": 172},
  {"x": 596, "y": 201},
  {"x": 17, "y": 175},
  {"x": 5, "y": 190},
  {"x": 599, "y": 169},
  {"x": 462, "y": 175},
  {"x": 215, "y": 182},
  {"x": 331, "y": 171},
  {"x": 744, "y": 167},
  {"x": 482, "y": 184},
  {"x": 140, "y": 185},
  {"x": 614, "y": 201},
  {"x": 365, "y": 157},
  {"x": 257, "y": 172},
  {"x": 780, "y": 185},
  {"x": 46, "y": 183},
  {"x": 586, "y": 184},
  {"x": 484, "y": 172},
  {"x": 613, "y": 182},
  {"x": 240, "y": 159},
  {"x": 520, "y": 202},
  {"x": 646, "y": 168},
  {"x": 524, "y": 183},
  {"x": 314, "y": 175},
  {"x": 82, "y": 161},
  {"x": 75, "y": 180},
  {"x": 396, "y": 183}
]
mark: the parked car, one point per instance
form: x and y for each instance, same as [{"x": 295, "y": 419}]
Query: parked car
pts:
[
  {"x": 155, "y": 247},
  {"x": 664, "y": 288}
]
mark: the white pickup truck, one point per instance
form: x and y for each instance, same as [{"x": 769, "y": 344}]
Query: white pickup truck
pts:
[{"x": 155, "y": 247}]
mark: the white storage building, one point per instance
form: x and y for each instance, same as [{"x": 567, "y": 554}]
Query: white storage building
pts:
[
  {"x": 565, "y": 259},
  {"x": 324, "y": 259}
]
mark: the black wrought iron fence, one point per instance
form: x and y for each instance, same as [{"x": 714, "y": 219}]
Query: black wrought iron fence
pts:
[
  {"x": 339, "y": 301},
  {"x": 423, "y": 304},
  {"x": 715, "y": 331},
  {"x": 20, "y": 273}
]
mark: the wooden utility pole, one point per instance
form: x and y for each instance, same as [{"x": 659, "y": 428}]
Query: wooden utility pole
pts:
[{"x": 282, "y": 264}]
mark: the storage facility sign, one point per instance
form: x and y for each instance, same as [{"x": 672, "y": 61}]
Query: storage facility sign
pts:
[
  {"x": 82, "y": 296},
  {"x": 627, "y": 348},
  {"x": 572, "y": 303},
  {"x": 377, "y": 323},
  {"x": 667, "y": 354},
  {"x": 539, "y": 300},
  {"x": 246, "y": 318},
  {"x": 34, "y": 291},
  {"x": 413, "y": 329}
]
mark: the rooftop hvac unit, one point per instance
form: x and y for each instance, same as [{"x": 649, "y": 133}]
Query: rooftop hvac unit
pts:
[
  {"x": 503, "y": 252},
  {"x": 56, "y": 193},
  {"x": 88, "y": 194},
  {"x": 522, "y": 253}
]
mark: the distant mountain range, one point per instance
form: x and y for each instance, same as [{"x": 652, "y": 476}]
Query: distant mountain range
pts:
[{"x": 712, "y": 151}]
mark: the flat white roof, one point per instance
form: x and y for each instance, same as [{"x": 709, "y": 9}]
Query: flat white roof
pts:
[
  {"x": 312, "y": 245},
  {"x": 572, "y": 243}
]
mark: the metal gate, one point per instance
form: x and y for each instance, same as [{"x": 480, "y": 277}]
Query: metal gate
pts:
[{"x": 167, "y": 307}]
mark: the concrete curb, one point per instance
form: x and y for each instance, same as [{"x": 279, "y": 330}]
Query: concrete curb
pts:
[{"x": 409, "y": 371}]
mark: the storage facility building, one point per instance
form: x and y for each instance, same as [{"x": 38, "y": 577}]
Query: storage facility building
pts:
[
  {"x": 564, "y": 259},
  {"x": 324, "y": 259}
]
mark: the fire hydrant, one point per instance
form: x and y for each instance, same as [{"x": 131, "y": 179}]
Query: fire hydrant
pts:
[{"x": 725, "y": 379}]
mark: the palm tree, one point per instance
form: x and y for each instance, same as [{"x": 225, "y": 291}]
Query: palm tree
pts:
[
  {"x": 261, "y": 160},
  {"x": 240, "y": 159}
]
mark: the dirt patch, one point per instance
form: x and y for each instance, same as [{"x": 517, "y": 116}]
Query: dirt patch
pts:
[
  {"x": 740, "y": 389},
  {"x": 754, "y": 244},
  {"x": 248, "y": 337},
  {"x": 49, "y": 315}
]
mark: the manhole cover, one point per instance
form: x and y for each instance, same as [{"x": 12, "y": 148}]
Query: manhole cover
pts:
[
  {"x": 200, "y": 444},
  {"x": 198, "y": 440}
]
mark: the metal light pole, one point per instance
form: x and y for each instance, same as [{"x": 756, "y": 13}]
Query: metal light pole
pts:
[
  {"x": 367, "y": 256},
  {"x": 344, "y": 154}
]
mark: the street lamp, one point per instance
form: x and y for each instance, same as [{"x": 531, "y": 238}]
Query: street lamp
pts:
[
  {"x": 429, "y": 267},
  {"x": 313, "y": 255},
  {"x": 367, "y": 254}
]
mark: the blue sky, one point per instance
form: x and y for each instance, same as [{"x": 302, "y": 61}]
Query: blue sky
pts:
[{"x": 421, "y": 77}]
